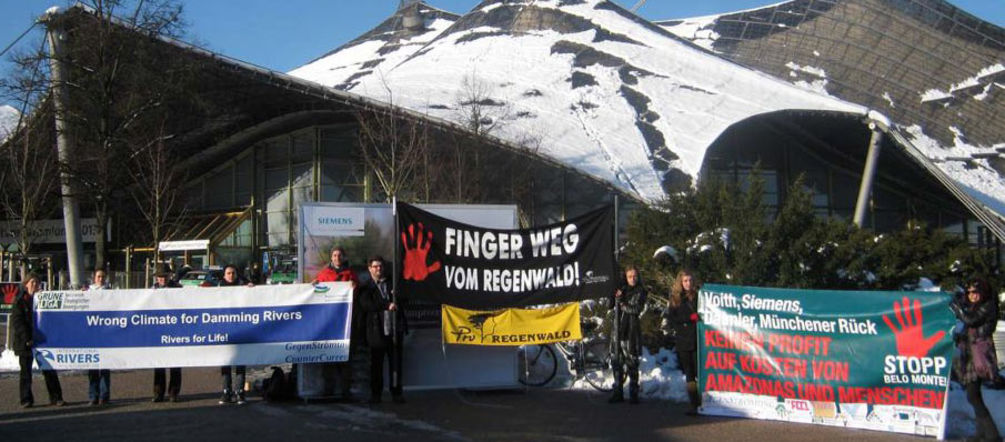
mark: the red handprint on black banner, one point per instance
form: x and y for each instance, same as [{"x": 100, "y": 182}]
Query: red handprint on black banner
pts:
[
  {"x": 414, "y": 267},
  {"x": 911, "y": 339},
  {"x": 9, "y": 292}
]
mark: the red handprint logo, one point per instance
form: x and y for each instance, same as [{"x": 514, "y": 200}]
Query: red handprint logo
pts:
[
  {"x": 415, "y": 254},
  {"x": 9, "y": 292},
  {"x": 911, "y": 340}
]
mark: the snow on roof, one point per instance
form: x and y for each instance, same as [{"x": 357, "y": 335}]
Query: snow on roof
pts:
[
  {"x": 384, "y": 47},
  {"x": 974, "y": 175},
  {"x": 588, "y": 83},
  {"x": 945, "y": 101},
  {"x": 8, "y": 121}
]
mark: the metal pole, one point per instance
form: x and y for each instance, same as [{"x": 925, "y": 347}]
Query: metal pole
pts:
[
  {"x": 616, "y": 334},
  {"x": 64, "y": 146},
  {"x": 394, "y": 293},
  {"x": 129, "y": 267},
  {"x": 868, "y": 174}
]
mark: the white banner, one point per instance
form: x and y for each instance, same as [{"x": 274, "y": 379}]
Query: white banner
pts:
[
  {"x": 175, "y": 246},
  {"x": 193, "y": 326}
]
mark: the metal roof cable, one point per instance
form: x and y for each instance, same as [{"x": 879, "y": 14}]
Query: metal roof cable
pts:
[{"x": 11, "y": 45}]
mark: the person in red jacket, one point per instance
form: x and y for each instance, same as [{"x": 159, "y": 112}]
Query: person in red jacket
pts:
[{"x": 338, "y": 270}]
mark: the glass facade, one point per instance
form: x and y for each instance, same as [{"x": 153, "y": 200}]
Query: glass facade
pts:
[
  {"x": 831, "y": 162},
  {"x": 324, "y": 163}
]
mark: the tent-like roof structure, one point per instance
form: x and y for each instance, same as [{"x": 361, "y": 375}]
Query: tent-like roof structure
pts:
[
  {"x": 589, "y": 85},
  {"x": 937, "y": 72},
  {"x": 586, "y": 83},
  {"x": 637, "y": 104}
]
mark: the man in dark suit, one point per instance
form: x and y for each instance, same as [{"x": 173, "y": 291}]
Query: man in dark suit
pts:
[{"x": 385, "y": 330}]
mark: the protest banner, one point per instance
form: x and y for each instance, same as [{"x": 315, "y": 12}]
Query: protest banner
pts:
[
  {"x": 511, "y": 327},
  {"x": 192, "y": 326},
  {"x": 483, "y": 269},
  {"x": 9, "y": 291},
  {"x": 874, "y": 360},
  {"x": 428, "y": 364}
]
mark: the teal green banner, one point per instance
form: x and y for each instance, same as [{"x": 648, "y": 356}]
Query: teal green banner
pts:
[{"x": 877, "y": 360}]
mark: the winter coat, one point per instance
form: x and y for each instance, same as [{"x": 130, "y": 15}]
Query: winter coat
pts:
[
  {"x": 238, "y": 281},
  {"x": 21, "y": 324},
  {"x": 331, "y": 274},
  {"x": 977, "y": 360},
  {"x": 632, "y": 304},
  {"x": 344, "y": 273},
  {"x": 171, "y": 284},
  {"x": 685, "y": 329},
  {"x": 374, "y": 299}
]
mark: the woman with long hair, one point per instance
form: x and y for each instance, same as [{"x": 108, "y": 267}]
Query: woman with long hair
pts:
[
  {"x": 682, "y": 316},
  {"x": 23, "y": 343},
  {"x": 978, "y": 311}
]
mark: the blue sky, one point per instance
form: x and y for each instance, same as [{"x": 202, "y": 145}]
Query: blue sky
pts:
[{"x": 283, "y": 34}]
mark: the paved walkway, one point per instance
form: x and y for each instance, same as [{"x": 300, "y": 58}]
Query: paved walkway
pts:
[{"x": 532, "y": 415}]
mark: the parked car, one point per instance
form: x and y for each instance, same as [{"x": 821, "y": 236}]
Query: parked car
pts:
[
  {"x": 285, "y": 273},
  {"x": 202, "y": 278}
]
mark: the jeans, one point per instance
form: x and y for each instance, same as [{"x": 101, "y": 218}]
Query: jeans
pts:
[
  {"x": 99, "y": 383},
  {"x": 225, "y": 376}
]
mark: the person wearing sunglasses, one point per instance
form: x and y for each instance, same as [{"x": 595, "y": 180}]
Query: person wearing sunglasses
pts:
[{"x": 978, "y": 311}]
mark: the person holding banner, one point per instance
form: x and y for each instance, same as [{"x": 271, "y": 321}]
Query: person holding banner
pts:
[
  {"x": 682, "y": 317},
  {"x": 99, "y": 381},
  {"x": 338, "y": 270},
  {"x": 385, "y": 330},
  {"x": 630, "y": 302},
  {"x": 23, "y": 343},
  {"x": 232, "y": 279},
  {"x": 162, "y": 280},
  {"x": 978, "y": 311}
]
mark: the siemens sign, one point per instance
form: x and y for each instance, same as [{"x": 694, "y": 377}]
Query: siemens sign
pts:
[{"x": 333, "y": 221}]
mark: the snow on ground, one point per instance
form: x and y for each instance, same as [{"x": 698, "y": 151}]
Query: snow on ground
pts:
[
  {"x": 960, "y": 415},
  {"x": 659, "y": 377},
  {"x": 8, "y": 361}
]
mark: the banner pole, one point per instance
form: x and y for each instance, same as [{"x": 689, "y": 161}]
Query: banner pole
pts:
[
  {"x": 394, "y": 291},
  {"x": 616, "y": 359}
]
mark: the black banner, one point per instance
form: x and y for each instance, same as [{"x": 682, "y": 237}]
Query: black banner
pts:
[{"x": 478, "y": 268}]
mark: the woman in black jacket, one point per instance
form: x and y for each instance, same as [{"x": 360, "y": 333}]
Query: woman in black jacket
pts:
[
  {"x": 630, "y": 300},
  {"x": 978, "y": 311},
  {"x": 682, "y": 316},
  {"x": 23, "y": 343}
]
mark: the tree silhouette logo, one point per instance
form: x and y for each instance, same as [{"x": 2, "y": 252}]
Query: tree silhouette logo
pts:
[{"x": 478, "y": 320}]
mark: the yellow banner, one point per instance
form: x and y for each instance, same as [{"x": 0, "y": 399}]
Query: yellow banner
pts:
[{"x": 512, "y": 326}]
